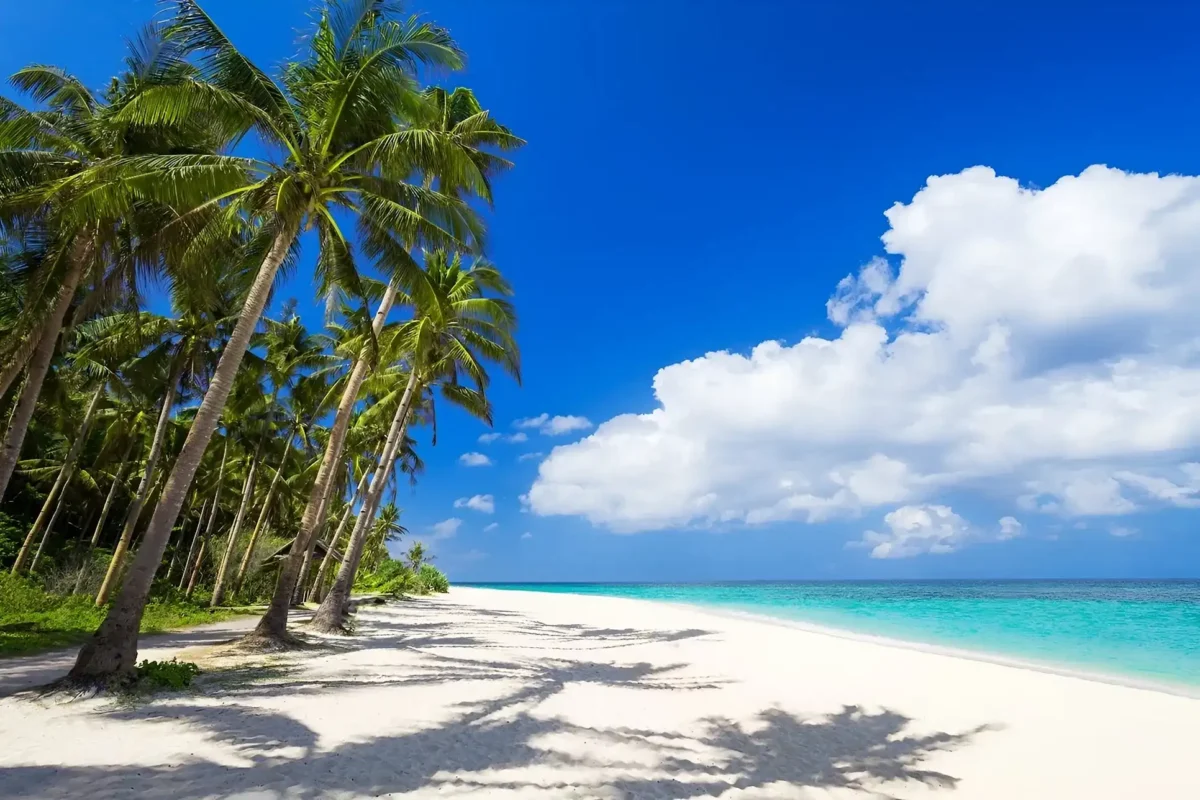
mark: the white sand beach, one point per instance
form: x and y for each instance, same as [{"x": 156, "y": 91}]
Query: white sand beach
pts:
[{"x": 496, "y": 694}]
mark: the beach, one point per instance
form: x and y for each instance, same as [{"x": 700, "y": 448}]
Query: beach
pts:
[{"x": 509, "y": 694}]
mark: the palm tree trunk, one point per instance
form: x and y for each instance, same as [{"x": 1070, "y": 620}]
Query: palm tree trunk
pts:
[
  {"x": 187, "y": 562},
  {"x": 64, "y": 475},
  {"x": 212, "y": 515},
  {"x": 135, "y": 508},
  {"x": 28, "y": 352},
  {"x": 112, "y": 651},
  {"x": 273, "y": 624},
  {"x": 262, "y": 515},
  {"x": 46, "y": 535},
  {"x": 331, "y": 616},
  {"x": 231, "y": 543},
  {"x": 317, "y": 594},
  {"x": 112, "y": 491}
]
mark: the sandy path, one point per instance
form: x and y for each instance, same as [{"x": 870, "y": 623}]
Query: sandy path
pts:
[{"x": 520, "y": 695}]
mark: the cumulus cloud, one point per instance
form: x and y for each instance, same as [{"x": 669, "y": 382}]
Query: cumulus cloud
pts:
[
  {"x": 553, "y": 426},
  {"x": 526, "y": 535},
  {"x": 488, "y": 438},
  {"x": 1037, "y": 344},
  {"x": 529, "y": 456},
  {"x": 474, "y": 460},
  {"x": 491, "y": 527},
  {"x": 918, "y": 529},
  {"x": 515, "y": 438},
  {"x": 483, "y": 503}
]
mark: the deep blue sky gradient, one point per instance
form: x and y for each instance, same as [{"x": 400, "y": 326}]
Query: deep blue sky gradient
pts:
[{"x": 699, "y": 176}]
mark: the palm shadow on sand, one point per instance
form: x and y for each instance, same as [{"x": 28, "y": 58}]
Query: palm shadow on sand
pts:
[{"x": 491, "y": 745}]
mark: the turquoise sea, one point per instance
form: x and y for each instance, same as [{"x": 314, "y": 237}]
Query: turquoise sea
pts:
[{"x": 1148, "y": 631}]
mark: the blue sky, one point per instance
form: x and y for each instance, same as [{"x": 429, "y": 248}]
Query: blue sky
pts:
[{"x": 700, "y": 176}]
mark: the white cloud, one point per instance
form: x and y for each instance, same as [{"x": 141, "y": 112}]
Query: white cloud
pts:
[
  {"x": 529, "y": 456},
  {"x": 517, "y": 438},
  {"x": 446, "y": 529},
  {"x": 552, "y": 426},
  {"x": 1010, "y": 528},
  {"x": 488, "y": 438},
  {"x": 914, "y": 530},
  {"x": 474, "y": 460},
  {"x": 483, "y": 503},
  {"x": 491, "y": 527},
  {"x": 532, "y": 422},
  {"x": 1122, "y": 531},
  {"x": 526, "y": 535},
  {"x": 1039, "y": 345}
]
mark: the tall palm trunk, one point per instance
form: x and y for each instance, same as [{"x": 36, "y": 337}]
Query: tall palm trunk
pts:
[
  {"x": 212, "y": 515},
  {"x": 191, "y": 553},
  {"x": 118, "y": 479},
  {"x": 29, "y": 351},
  {"x": 46, "y": 535},
  {"x": 64, "y": 475},
  {"x": 262, "y": 515},
  {"x": 331, "y": 616},
  {"x": 112, "y": 651},
  {"x": 231, "y": 542},
  {"x": 117, "y": 562},
  {"x": 317, "y": 593},
  {"x": 273, "y": 624}
]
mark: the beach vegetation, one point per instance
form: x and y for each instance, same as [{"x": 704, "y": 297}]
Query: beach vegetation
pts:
[{"x": 163, "y": 465}]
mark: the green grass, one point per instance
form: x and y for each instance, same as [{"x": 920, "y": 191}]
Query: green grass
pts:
[{"x": 32, "y": 620}]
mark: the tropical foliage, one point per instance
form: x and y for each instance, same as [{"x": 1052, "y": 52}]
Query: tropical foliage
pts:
[{"x": 203, "y": 450}]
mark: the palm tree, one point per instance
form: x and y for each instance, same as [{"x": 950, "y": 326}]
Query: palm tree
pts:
[
  {"x": 456, "y": 327},
  {"x": 336, "y": 120},
  {"x": 387, "y": 528},
  {"x": 416, "y": 556},
  {"x": 46, "y": 154}
]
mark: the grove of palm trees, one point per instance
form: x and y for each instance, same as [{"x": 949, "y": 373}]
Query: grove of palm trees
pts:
[{"x": 177, "y": 442}]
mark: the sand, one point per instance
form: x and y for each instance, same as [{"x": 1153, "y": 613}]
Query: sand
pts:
[{"x": 504, "y": 695}]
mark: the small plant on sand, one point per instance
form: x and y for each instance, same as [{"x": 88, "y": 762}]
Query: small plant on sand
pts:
[
  {"x": 433, "y": 579},
  {"x": 173, "y": 674}
]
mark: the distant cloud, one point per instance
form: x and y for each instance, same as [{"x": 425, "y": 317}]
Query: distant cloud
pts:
[
  {"x": 474, "y": 460},
  {"x": 446, "y": 529},
  {"x": 1122, "y": 531},
  {"x": 483, "y": 503},
  {"x": 526, "y": 535},
  {"x": 516, "y": 438},
  {"x": 919, "y": 529},
  {"x": 530, "y": 456},
  {"x": 554, "y": 426},
  {"x": 492, "y": 527}
]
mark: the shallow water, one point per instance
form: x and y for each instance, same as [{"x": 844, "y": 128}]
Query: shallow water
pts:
[{"x": 1144, "y": 630}]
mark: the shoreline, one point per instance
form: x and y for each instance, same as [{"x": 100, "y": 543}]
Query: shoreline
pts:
[{"x": 983, "y": 656}]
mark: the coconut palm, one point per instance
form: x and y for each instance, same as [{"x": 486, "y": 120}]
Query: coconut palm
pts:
[
  {"x": 337, "y": 121},
  {"x": 461, "y": 319}
]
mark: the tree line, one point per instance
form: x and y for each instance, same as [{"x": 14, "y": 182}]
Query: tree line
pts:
[{"x": 160, "y": 433}]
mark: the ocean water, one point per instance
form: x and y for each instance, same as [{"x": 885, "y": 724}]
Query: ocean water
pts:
[{"x": 1146, "y": 631}]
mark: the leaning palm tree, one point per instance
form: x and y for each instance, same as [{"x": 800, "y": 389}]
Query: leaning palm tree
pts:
[
  {"x": 44, "y": 157},
  {"x": 461, "y": 320},
  {"x": 337, "y": 122}
]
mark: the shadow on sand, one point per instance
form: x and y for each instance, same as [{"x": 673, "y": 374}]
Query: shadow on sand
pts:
[{"x": 510, "y": 743}]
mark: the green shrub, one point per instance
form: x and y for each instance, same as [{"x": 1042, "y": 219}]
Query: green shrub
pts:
[
  {"x": 433, "y": 579},
  {"x": 171, "y": 674},
  {"x": 12, "y": 533}
]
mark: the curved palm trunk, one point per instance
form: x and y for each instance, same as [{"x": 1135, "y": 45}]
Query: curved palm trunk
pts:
[
  {"x": 112, "y": 651},
  {"x": 46, "y": 535},
  {"x": 64, "y": 475},
  {"x": 273, "y": 624},
  {"x": 331, "y": 616},
  {"x": 218, "y": 594},
  {"x": 30, "y": 351},
  {"x": 317, "y": 593},
  {"x": 187, "y": 562},
  {"x": 118, "y": 479},
  {"x": 212, "y": 515},
  {"x": 139, "y": 499}
]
